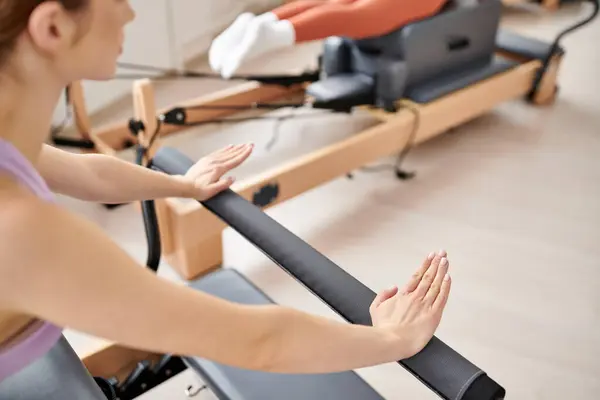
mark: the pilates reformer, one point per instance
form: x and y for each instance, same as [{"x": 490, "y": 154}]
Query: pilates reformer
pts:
[
  {"x": 62, "y": 375},
  {"x": 418, "y": 82}
]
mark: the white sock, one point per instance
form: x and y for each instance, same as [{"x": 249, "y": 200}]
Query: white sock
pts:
[
  {"x": 227, "y": 40},
  {"x": 267, "y": 17},
  {"x": 261, "y": 37}
]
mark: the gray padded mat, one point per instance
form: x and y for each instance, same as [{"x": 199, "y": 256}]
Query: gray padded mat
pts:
[
  {"x": 236, "y": 384},
  {"x": 59, "y": 375},
  {"x": 451, "y": 82},
  {"x": 522, "y": 45}
]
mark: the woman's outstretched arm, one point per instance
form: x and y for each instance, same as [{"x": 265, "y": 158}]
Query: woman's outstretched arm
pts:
[
  {"x": 104, "y": 179},
  {"x": 59, "y": 267}
]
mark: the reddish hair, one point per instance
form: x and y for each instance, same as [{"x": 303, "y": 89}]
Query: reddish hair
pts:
[{"x": 14, "y": 17}]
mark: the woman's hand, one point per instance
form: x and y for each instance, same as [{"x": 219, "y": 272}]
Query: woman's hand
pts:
[
  {"x": 414, "y": 313},
  {"x": 206, "y": 176}
]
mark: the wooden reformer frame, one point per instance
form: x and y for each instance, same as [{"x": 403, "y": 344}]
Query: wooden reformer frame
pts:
[
  {"x": 192, "y": 236},
  {"x": 115, "y": 137}
]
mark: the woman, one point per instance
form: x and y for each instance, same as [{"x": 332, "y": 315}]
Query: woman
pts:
[
  {"x": 303, "y": 21},
  {"x": 58, "y": 270}
]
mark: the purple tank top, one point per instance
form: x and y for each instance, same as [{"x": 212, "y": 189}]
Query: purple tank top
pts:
[{"x": 42, "y": 336}]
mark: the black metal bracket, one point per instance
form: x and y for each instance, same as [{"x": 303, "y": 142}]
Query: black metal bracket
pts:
[
  {"x": 175, "y": 116},
  {"x": 286, "y": 80},
  {"x": 135, "y": 126},
  {"x": 74, "y": 143},
  {"x": 266, "y": 195},
  {"x": 142, "y": 379}
]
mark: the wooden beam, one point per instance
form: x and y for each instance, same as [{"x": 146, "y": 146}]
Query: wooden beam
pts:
[
  {"x": 112, "y": 360},
  {"x": 118, "y": 137},
  {"x": 80, "y": 114},
  {"x": 549, "y": 86},
  {"x": 82, "y": 120},
  {"x": 196, "y": 231},
  {"x": 144, "y": 110}
]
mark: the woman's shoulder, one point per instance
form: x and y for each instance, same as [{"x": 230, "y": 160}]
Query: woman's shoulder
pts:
[
  {"x": 21, "y": 210},
  {"x": 30, "y": 229},
  {"x": 13, "y": 193}
]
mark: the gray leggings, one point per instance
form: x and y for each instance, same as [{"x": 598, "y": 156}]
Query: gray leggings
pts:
[{"x": 59, "y": 375}]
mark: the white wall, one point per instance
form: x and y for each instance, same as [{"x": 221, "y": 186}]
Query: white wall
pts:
[{"x": 196, "y": 22}]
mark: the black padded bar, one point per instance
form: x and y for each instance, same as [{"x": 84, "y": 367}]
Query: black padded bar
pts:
[
  {"x": 451, "y": 82},
  {"x": 438, "y": 366}
]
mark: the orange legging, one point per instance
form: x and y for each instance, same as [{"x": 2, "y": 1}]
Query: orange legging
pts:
[{"x": 357, "y": 19}]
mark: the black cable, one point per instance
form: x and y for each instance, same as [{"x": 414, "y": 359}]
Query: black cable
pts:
[
  {"x": 397, "y": 166},
  {"x": 401, "y": 174},
  {"x": 555, "y": 48},
  {"x": 276, "y": 131},
  {"x": 242, "y": 107}
]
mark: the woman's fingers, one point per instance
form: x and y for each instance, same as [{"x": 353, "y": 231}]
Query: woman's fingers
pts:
[
  {"x": 427, "y": 280},
  {"x": 226, "y": 149},
  {"x": 442, "y": 298},
  {"x": 231, "y": 152},
  {"x": 384, "y": 296},
  {"x": 237, "y": 157},
  {"x": 226, "y": 160},
  {"x": 412, "y": 284},
  {"x": 436, "y": 286}
]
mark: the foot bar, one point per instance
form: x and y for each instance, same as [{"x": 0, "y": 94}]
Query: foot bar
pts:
[{"x": 438, "y": 366}]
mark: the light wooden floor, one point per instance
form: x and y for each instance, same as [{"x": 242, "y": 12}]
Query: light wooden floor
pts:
[{"x": 514, "y": 197}]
